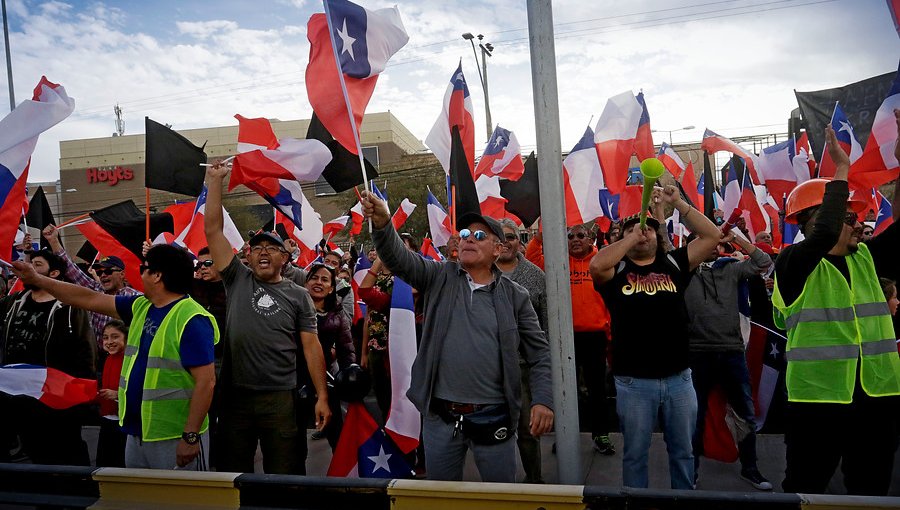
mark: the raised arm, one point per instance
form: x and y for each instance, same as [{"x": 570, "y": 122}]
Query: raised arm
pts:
[
  {"x": 213, "y": 220},
  {"x": 73, "y": 273},
  {"x": 409, "y": 266},
  {"x": 68, "y": 293},
  {"x": 603, "y": 265},
  {"x": 708, "y": 235}
]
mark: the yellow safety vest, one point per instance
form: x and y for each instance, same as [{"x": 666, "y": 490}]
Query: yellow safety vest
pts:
[
  {"x": 833, "y": 326},
  {"x": 168, "y": 386}
]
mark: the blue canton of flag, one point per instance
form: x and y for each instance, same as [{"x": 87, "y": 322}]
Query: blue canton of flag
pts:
[
  {"x": 380, "y": 458},
  {"x": 364, "y": 39}
]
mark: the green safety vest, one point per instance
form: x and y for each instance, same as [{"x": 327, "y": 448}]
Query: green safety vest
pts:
[
  {"x": 833, "y": 326},
  {"x": 168, "y": 386}
]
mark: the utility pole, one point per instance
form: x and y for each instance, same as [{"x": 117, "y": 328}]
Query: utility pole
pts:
[
  {"x": 559, "y": 297},
  {"x": 9, "y": 79},
  {"x": 487, "y": 50}
]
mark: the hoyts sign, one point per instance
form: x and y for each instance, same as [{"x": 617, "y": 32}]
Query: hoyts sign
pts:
[{"x": 111, "y": 176}]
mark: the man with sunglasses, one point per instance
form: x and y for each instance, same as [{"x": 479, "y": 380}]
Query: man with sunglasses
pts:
[
  {"x": 590, "y": 320},
  {"x": 843, "y": 373},
  {"x": 271, "y": 328},
  {"x": 111, "y": 273},
  {"x": 465, "y": 379}
]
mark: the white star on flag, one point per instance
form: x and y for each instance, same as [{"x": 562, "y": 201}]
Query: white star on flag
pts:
[
  {"x": 773, "y": 353},
  {"x": 381, "y": 460},
  {"x": 498, "y": 141},
  {"x": 346, "y": 40}
]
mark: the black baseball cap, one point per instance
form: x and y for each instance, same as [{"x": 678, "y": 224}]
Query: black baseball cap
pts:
[
  {"x": 110, "y": 262},
  {"x": 469, "y": 218},
  {"x": 636, "y": 218}
]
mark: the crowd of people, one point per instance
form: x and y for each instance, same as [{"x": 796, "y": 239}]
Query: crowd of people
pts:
[{"x": 226, "y": 353}]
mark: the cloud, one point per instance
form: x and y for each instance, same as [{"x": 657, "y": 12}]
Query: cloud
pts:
[{"x": 731, "y": 70}]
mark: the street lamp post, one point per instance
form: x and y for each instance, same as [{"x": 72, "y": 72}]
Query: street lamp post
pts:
[
  {"x": 486, "y": 51},
  {"x": 12, "y": 94},
  {"x": 670, "y": 131}
]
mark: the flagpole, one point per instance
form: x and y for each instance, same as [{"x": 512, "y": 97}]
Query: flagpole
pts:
[
  {"x": 73, "y": 220},
  {"x": 147, "y": 214},
  {"x": 337, "y": 63},
  {"x": 825, "y": 146},
  {"x": 552, "y": 199}
]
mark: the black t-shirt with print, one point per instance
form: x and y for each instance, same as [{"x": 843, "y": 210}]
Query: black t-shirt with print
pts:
[
  {"x": 649, "y": 320},
  {"x": 26, "y": 342}
]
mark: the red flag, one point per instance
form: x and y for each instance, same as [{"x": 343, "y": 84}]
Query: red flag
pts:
[
  {"x": 630, "y": 201},
  {"x": 108, "y": 245}
]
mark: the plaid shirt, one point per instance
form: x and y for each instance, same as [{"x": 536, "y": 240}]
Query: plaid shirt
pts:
[{"x": 78, "y": 277}]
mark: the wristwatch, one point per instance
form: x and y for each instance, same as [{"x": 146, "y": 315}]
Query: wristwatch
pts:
[{"x": 190, "y": 438}]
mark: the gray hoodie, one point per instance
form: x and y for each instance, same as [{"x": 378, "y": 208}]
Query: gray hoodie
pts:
[{"x": 712, "y": 303}]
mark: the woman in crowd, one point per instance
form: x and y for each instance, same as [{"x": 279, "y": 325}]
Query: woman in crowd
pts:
[
  {"x": 111, "y": 444},
  {"x": 334, "y": 335}
]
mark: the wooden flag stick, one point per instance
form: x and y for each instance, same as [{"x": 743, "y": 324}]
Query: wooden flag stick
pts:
[{"x": 73, "y": 220}]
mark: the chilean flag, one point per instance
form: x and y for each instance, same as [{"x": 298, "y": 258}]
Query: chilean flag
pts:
[
  {"x": 671, "y": 160},
  {"x": 404, "y": 420},
  {"x": 52, "y": 387},
  {"x": 261, "y": 156},
  {"x": 885, "y": 214},
  {"x": 402, "y": 213},
  {"x": 630, "y": 201},
  {"x": 582, "y": 181},
  {"x": 356, "y": 217},
  {"x": 359, "y": 272},
  {"x": 438, "y": 221},
  {"x": 192, "y": 236},
  {"x": 609, "y": 203},
  {"x": 366, "y": 451},
  {"x": 614, "y": 138},
  {"x": 19, "y": 133},
  {"x": 363, "y": 41},
  {"x": 334, "y": 226},
  {"x": 643, "y": 142},
  {"x": 691, "y": 188},
  {"x": 781, "y": 173},
  {"x": 380, "y": 194},
  {"x": 492, "y": 202},
  {"x": 877, "y": 165},
  {"x": 713, "y": 142},
  {"x": 740, "y": 195},
  {"x": 502, "y": 156},
  {"x": 846, "y": 139},
  {"x": 429, "y": 251},
  {"x": 291, "y": 205},
  {"x": 803, "y": 150},
  {"x": 457, "y": 112}
]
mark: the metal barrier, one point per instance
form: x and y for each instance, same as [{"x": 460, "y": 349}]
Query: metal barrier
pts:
[{"x": 30, "y": 486}]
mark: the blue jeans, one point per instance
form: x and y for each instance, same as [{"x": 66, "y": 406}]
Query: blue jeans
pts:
[
  {"x": 446, "y": 455},
  {"x": 638, "y": 404}
]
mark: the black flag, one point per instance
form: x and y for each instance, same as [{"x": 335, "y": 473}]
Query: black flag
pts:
[
  {"x": 173, "y": 162},
  {"x": 39, "y": 214},
  {"x": 125, "y": 222},
  {"x": 709, "y": 185},
  {"x": 343, "y": 172},
  {"x": 87, "y": 252},
  {"x": 466, "y": 199},
  {"x": 523, "y": 196}
]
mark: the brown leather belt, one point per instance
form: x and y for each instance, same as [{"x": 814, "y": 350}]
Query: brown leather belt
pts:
[{"x": 459, "y": 408}]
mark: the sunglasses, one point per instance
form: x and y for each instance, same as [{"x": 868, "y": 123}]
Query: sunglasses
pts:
[
  {"x": 203, "y": 263},
  {"x": 579, "y": 235},
  {"x": 850, "y": 218},
  {"x": 105, "y": 271},
  {"x": 479, "y": 235},
  {"x": 270, "y": 249}
]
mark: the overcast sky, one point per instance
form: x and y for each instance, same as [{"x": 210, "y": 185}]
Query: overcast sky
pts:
[{"x": 731, "y": 66}]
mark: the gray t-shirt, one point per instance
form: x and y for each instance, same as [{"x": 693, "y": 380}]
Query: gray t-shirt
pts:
[
  {"x": 470, "y": 368},
  {"x": 264, "y": 322}
]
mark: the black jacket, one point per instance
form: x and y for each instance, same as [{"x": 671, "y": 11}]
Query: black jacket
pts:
[{"x": 70, "y": 344}]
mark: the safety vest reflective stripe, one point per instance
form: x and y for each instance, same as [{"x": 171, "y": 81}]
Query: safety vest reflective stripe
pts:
[
  {"x": 820, "y": 353},
  {"x": 131, "y": 350},
  {"x": 872, "y": 309},
  {"x": 167, "y": 394},
  {"x": 879, "y": 347},
  {"x": 819, "y": 315},
  {"x": 163, "y": 363}
]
